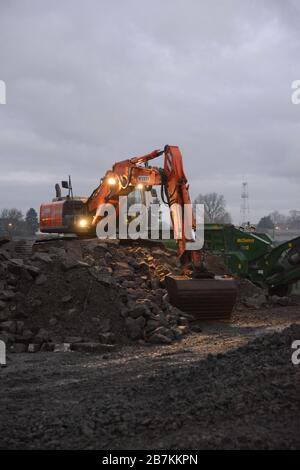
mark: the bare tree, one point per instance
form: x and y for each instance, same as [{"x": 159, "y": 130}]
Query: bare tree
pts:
[
  {"x": 277, "y": 218},
  {"x": 12, "y": 221},
  {"x": 294, "y": 219},
  {"x": 214, "y": 208}
]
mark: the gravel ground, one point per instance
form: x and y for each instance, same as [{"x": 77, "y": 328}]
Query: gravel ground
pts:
[{"x": 227, "y": 386}]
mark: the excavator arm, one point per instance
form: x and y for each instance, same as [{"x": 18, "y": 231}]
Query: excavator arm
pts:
[{"x": 129, "y": 174}]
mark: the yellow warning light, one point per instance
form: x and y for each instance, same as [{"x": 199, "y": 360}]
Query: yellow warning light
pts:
[
  {"x": 83, "y": 223},
  {"x": 112, "y": 181}
]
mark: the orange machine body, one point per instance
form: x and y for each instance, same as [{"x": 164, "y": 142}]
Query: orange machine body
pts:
[
  {"x": 62, "y": 216},
  {"x": 51, "y": 216}
]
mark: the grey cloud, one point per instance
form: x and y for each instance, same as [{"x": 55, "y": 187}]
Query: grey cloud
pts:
[{"x": 89, "y": 83}]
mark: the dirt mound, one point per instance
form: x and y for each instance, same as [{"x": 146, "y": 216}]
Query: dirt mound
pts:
[{"x": 86, "y": 293}]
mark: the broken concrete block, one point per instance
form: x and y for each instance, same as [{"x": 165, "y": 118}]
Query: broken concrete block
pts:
[
  {"x": 42, "y": 336},
  {"x": 53, "y": 321},
  {"x": 62, "y": 347},
  {"x": 18, "y": 348},
  {"x": 70, "y": 313},
  {"x": 107, "y": 338},
  {"x": 184, "y": 329},
  {"x": 92, "y": 347},
  {"x": 71, "y": 263},
  {"x": 152, "y": 324},
  {"x": 158, "y": 338},
  {"x": 27, "y": 335},
  {"x": 8, "y": 338},
  {"x": 49, "y": 347},
  {"x": 34, "y": 347},
  {"x": 105, "y": 325},
  {"x": 41, "y": 279},
  {"x": 66, "y": 299},
  {"x": 139, "y": 310},
  {"x": 5, "y": 315},
  {"x": 33, "y": 270},
  {"x": 10, "y": 326},
  {"x": 7, "y": 295},
  {"x": 73, "y": 339},
  {"x": 283, "y": 301},
  {"x": 40, "y": 256},
  {"x": 16, "y": 261},
  {"x": 19, "y": 327},
  {"x": 133, "y": 328}
]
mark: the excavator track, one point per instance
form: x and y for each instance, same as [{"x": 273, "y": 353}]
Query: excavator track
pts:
[{"x": 203, "y": 299}]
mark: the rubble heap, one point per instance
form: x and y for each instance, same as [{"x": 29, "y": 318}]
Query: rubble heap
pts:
[
  {"x": 255, "y": 297},
  {"x": 86, "y": 295}
]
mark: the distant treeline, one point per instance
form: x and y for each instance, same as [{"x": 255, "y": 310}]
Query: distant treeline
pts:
[
  {"x": 277, "y": 221},
  {"x": 13, "y": 222}
]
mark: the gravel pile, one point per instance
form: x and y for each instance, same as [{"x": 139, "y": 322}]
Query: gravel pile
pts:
[{"x": 86, "y": 295}]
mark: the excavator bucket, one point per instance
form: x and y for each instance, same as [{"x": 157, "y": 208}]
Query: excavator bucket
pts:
[{"x": 203, "y": 299}]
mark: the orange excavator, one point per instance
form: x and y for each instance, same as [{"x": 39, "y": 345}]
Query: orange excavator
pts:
[{"x": 197, "y": 291}]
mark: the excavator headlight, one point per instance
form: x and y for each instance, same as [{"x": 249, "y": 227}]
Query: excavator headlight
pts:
[
  {"x": 140, "y": 186},
  {"x": 111, "y": 181},
  {"x": 83, "y": 223}
]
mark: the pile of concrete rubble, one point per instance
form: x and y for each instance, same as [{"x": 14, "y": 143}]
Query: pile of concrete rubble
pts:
[
  {"x": 86, "y": 295},
  {"x": 90, "y": 295},
  {"x": 254, "y": 297}
]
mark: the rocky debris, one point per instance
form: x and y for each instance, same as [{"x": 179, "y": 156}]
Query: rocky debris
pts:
[
  {"x": 62, "y": 347},
  {"x": 93, "y": 347},
  {"x": 159, "y": 338},
  {"x": 282, "y": 301},
  {"x": 4, "y": 240},
  {"x": 41, "y": 279},
  {"x": 33, "y": 347},
  {"x": 245, "y": 398},
  {"x": 254, "y": 297},
  {"x": 103, "y": 294},
  {"x": 9, "y": 326},
  {"x": 18, "y": 348},
  {"x": 257, "y": 301},
  {"x": 107, "y": 338},
  {"x": 70, "y": 263},
  {"x": 40, "y": 256},
  {"x": 108, "y": 293},
  {"x": 135, "y": 327},
  {"x": 7, "y": 295}
]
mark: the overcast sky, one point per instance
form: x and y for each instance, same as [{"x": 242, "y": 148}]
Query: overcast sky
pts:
[{"x": 92, "y": 82}]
